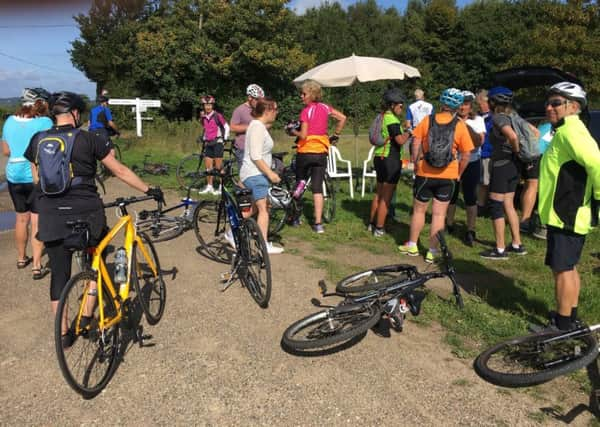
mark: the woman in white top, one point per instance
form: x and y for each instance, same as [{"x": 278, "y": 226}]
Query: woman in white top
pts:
[{"x": 256, "y": 173}]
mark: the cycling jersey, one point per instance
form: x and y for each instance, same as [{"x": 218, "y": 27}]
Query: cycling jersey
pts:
[
  {"x": 390, "y": 128},
  {"x": 99, "y": 117},
  {"x": 569, "y": 172},
  {"x": 316, "y": 115}
]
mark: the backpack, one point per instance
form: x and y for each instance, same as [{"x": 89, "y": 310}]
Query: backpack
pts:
[
  {"x": 53, "y": 158},
  {"x": 375, "y": 135},
  {"x": 440, "y": 139},
  {"x": 529, "y": 147}
]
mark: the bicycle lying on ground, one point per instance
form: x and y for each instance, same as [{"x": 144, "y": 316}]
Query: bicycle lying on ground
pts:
[
  {"x": 92, "y": 309},
  {"x": 160, "y": 226},
  {"x": 368, "y": 295},
  {"x": 190, "y": 168},
  {"x": 150, "y": 168},
  {"x": 250, "y": 261},
  {"x": 536, "y": 358}
]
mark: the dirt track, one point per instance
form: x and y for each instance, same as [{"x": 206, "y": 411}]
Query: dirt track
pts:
[{"x": 217, "y": 360}]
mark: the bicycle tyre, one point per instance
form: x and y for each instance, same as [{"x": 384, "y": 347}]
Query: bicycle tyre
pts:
[
  {"x": 523, "y": 354},
  {"x": 152, "y": 291},
  {"x": 374, "y": 279},
  {"x": 319, "y": 325},
  {"x": 161, "y": 228},
  {"x": 329, "y": 200},
  {"x": 89, "y": 353},
  {"x": 188, "y": 172},
  {"x": 205, "y": 223},
  {"x": 277, "y": 219},
  {"x": 256, "y": 274}
]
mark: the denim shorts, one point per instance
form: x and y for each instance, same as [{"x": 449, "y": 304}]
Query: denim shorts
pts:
[{"x": 259, "y": 184}]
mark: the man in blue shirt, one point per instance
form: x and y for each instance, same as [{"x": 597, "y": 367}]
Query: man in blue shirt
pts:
[{"x": 101, "y": 121}]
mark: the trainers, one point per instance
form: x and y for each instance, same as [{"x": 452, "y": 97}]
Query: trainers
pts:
[
  {"x": 450, "y": 229},
  {"x": 296, "y": 222},
  {"x": 525, "y": 227},
  {"x": 431, "y": 257},
  {"x": 409, "y": 250},
  {"x": 273, "y": 249},
  {"x": 378, "y": 232},
  {"x": 318, "y": 228},
  {"x": 228, "y": 235},
  {"x": 207, "y": 189},
  {"x": 370, "y": 228},
  {"x": 469, "y": 238},
  {"x": 217, "y": 192},
  {"x": 540, "y": 233},
  {"x": 494, "y": 254},
  {"x": 517, "y": 251}
]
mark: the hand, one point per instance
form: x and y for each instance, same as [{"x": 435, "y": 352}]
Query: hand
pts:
[
  {"x": 156, "y": 193},
  {"x": 275, "y": 179},
  {"x": 333, "y": 139}
]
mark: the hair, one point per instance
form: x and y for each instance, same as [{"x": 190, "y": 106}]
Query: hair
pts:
[
  {"x": 313, "y": 89},
  {"x": 502, "y": 108},
  {"x": 262, "y": 105},
  {"x": 419, "y": 94},
  {"x": 38, "y": 109}
]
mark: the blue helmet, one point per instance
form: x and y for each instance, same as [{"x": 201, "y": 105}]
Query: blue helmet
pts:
[
  {"x": 500, "y": 95},
  {"x": 452, "y": 97}
]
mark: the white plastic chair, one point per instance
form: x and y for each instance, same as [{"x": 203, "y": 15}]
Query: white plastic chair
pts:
[
  {"x": 367, "y": 171},
  {"x": 332, "y": 169}
]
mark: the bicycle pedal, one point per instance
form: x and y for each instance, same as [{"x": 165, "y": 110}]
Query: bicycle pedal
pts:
[{"x": 226, "y": 276}]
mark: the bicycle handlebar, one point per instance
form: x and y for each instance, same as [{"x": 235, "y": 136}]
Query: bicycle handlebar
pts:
[{"x": 125, "y": 201}]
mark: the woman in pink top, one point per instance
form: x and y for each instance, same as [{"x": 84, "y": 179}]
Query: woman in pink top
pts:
[
  {"x": 313, "y": 143},
  {"x": 215, "y": 133}
]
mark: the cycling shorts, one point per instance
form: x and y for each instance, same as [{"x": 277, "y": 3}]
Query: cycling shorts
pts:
[
  {"x": 317, "y": 164},
  {"x": 22, "y": 196},
  {"x": 214, "y": 150},
  {"x": 388, "y": 169},
  {"x": 426, "y": 188},
  {"x": 468, "y": 184},
  {"x": 563, "y": 249},
  {"x": 530, "y": 170},
  {"x": 504, "y": 177}
]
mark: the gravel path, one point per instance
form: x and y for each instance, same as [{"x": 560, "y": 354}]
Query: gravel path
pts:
[{"x": 217, "y": 360}]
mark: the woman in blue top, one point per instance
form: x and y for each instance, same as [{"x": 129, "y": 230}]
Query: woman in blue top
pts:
[{"x": 18, "y": 129}]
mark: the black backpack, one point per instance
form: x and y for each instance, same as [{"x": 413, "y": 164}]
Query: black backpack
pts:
[{"x": 440, "y": 139}]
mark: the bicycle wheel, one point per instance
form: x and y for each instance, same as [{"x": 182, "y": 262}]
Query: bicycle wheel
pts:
[
  {"x": 89, "y": 363},
  {"x": 149, "y": 284},
  {"x": 189, "y": 170},
  {"x": 278, "y": 216},
  {"x": 329, "y": 200},
  {"x": 160, "y": 228},
  {"x": 256, "y": 271},
  {"x": 535, "y": 359},
  {"x": 375, "y": 278},
  {"x": 333, "y": 326},
  {"x": 205, "y": 224}
]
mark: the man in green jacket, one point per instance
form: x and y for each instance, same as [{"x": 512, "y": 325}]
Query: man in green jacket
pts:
[{"x": 569, "y": 181}]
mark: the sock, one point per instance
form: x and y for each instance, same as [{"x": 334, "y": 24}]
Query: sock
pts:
[
  {"x": 573, "y": 314},
  {"x": 563, "y": 322},
  {"x": 433, "y": 250},
  {"x": 500, "y": 251},
  {"x": 515, "y": 246},
  {"x": 411, "y": 244}
]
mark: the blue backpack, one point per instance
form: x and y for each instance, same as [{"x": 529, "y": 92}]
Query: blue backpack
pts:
[{"x": 53, "y": 158}]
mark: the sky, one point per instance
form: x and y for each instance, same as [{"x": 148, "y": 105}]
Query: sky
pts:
[{"x": 35, "y": 37}]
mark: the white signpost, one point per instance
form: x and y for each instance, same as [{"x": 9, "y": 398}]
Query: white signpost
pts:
[{"x": 140, "y": 106}]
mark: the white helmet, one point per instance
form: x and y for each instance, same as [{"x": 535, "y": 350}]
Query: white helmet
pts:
[
  {"x": 570, "y": 91},
  {"x": 279, "y": 197},
  {"x": 255, "y": 91},
  {"x": 468, "y": 95},
  {"x": 29, "y": 96}
]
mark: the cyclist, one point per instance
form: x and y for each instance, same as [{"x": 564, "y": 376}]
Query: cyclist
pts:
[
  {"x": 101, "y": 121},
  {"x": 437, "y": 182},
  {"x": 569, "y": 182},
  {"x": 470, "y": 177},
  {"x": 18, "y": 129},
  {"x": 215, "y": 132},
  {"x": 256, "y": 173},
  {"x": 387, "y": 160},
  {"x": 81, "y": 201},
  {"x": 313, "y": 143},
  {"x": 241, "y": 118}
]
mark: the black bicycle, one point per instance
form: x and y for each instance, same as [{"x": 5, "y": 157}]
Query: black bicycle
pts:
[
  {"x": 190, "y": 169},
  {"x": 390, "y": 291},
  {"x": 250, "y": 261},
  {"x": 160, "y": 225},
  {"x": 102, "y": 172},
  {"x": 151, "y": 168}
]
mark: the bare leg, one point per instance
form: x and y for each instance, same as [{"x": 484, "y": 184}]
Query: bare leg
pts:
[
  {"x": 471, "y": 217},
  {"x": 417, "y": 221},
  {"x": 21, "y": 234},
  {"x": 567, "y": 291},
  {"x": 263, "y": 217},
  {"x": 482, "y": 195},
  {"x": 512, "y": 217},
  {"x": 37, "y": 247},
  {"x": 438, "y": 217},
  {"x": 450, "y": 214},
  {"x": 209, "y": 163},
  {"x": 387, "y": 190},
  {"x": 318, "y": 201},
  {"x": 528, "y": 198},
  {"x": 375, "y": 203}
]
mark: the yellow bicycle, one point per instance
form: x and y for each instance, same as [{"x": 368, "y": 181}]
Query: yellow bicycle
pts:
[{"x": 92, "y": 309}]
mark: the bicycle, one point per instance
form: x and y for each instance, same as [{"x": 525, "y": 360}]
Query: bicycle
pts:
[
  {"x": 102, "y": 172},
  {"x": 190, "y": 168},
  {"x": 150, "y": 168},
  {"x": 250, "y": 261},
  {"x": 368, "y": 295},
  {"x": 92, "y": 310},
  {"x": 539, "y": 357},
  {"x": 160, "y": 226}
]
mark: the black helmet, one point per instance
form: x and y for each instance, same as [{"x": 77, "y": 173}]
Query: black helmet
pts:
[
  {"x": 64, "y": 102},
  {"x": 393, "y": 96},
  {"x": 102, "y": 98}
]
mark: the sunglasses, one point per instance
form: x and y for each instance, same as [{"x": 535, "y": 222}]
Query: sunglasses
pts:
[{"x": 555, "y": 103}]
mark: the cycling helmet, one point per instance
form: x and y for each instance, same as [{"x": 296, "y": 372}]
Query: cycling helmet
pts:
[
  {"x": 452, "y": 98},
  {"x": 279, "y": 197},
  {"x": 29, "y": 96},
  {"x": 207, "y": 99},
  {"x": 102, "y": 98},
  {"x": 570, "y": 91},
  {"x": 500, "y": 95},
  {"x": 65, "y": 102},
  {"x": 393, "y": 96},
  {"x": 291, "y": 126},
  {"x": 255, "y": 91},
  {"x": 468, "y": 95}
]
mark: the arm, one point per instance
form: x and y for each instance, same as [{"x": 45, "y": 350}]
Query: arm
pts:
[
  {"x": 341, "y": 120},
  {"x": 303, "y": 132},
  {"x": 463, "y": 163},
  {"x": 511, "y": 137},
  {"x": 267, "y": 171},
  {"x": 113, "y": 126},
  {"x": 124, "y": 173},
  {"x": 5, "y": 149},
  {"x": 34, "y": 172}
]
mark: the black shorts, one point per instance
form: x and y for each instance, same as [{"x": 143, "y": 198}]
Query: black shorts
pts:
[
  {"x": 530, "y": 170},
  {"x": 214, "y": 150},
  {"x": 388, "y": 169},
  {"x": 504, "y": 177},
  {"x": 468, "y": 184},
  {"x": 440, "y": 189},
  {"x": 22, "y": 196},
  {"x": 317, "y": 163},
  {"x": 563, "y": 249}
]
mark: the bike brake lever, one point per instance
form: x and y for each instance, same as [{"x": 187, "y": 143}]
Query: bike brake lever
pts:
[{"x": 322, "y": 287}]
